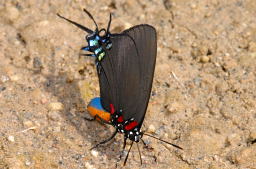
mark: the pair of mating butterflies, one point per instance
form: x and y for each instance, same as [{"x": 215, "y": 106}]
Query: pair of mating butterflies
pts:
[{"x": 125, "y": 66}]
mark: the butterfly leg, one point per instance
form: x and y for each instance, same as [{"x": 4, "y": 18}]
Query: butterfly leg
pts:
[
  {"x": 105, "y": 141},
  {"x": 91, "y": 55},
  {"x": 146, "y": 145},
  {"x": 86, "y": 48}
]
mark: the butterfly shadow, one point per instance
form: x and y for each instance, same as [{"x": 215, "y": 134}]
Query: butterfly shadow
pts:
[{"x": 74, "y": 112}]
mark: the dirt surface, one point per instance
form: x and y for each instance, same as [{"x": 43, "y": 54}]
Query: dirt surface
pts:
[{"x": 203, "y": 98}]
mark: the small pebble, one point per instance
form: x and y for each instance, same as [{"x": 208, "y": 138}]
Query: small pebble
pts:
[
  {"x": 55, "y": 116},
  {"x": 2, "y": 88},
  {"x": 166, "y": 135},
  {"x": 208, "y": 14},
  {"x": 246, "y": 156},
  {"x": 28, "y": 123},
  {"x": 204, "y": 59},
  {"x": 89, "y": 166},
  {"x": 37, "y": 63},
  {"x": 15, "y": 78},
  {"x": 174, "y": 107},
  {"x": 95, "y": 153},
  {"x": 194, "y": 45},
  {"x": 55, "y": 106},
  {"x": 234, "y": 139},
  {"x": 44, "y": 101},
  {"x": 37, "y": 94},
  {"x": 252, "y": 46},
  {"x": 69, "y": 79},
  {"x": 151, "y": 129},
  {"x": 57, "y": 129},
  {"x": 172, "y": 136},
  {"x": 27, "y": 163},
  {"x": 168, "y": 4},
  {"x": 221, "y": 88},
  {"x": 12, "y": 13},
  {"x": 4, "y": 78},
  {"x": 195, "y": 52},
  {"x": 253, "y": 135},
  {"x": 127, "y": 25},
  {"x": 11, "y": 138},
  {"x": 44, "y": 23},
  {"x": 193, "y": 6}
]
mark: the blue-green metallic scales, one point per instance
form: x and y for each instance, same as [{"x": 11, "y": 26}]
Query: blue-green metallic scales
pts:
[
  {"x": 97, "y": 44},
  {"x": 93, "y": 42}
]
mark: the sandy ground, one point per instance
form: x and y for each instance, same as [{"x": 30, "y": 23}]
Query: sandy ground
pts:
[{"x": 203, "y": 98}]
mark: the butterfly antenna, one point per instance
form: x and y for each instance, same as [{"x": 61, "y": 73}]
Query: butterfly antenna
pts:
[
  {"x": 128, "y": 154},
  {"x": 76, "y": 24},
  {"x": 174, "y": 145},
  {"x": 90, "y": 15},
  {"x": 109, "y": 22},
  {"x": 139, "y": 153}
]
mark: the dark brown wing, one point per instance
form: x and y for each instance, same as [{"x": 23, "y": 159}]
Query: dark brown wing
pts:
[
  {"x": 145, "y": 39},
  {"x": 127, "y": 71},
  {"x": 119, "y": 75}
]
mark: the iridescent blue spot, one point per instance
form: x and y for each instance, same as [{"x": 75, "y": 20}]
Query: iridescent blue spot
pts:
[
  {"x": 93, "y": 42},
  {"x": 98, "y": 50},
  {"x": 109, "y": 45}
]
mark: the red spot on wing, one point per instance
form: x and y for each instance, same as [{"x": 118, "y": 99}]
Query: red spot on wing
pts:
[
  {"x": 120, "y": 119},
  {"x": 131, "y": 125},
  {"x": 112, "y": 109}
]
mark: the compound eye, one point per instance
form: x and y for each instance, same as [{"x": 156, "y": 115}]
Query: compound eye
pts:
[{"x": 90, "y": 36}]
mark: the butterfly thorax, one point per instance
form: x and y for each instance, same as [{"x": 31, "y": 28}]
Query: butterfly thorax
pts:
[{"x": 98, "y": 44}]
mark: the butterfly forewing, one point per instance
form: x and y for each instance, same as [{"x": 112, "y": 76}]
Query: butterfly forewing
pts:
[
  {"x": 120, "y": 76},
  {"x": 127, "y": 72},
  {"x": 145, "y": 39}
]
